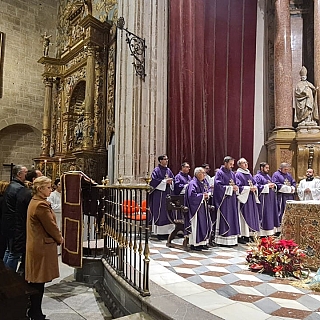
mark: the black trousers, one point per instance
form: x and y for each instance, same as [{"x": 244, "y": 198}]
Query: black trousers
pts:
[{"x": 35, "y": 311}]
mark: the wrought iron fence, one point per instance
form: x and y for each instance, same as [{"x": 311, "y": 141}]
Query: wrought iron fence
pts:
[{"x": 122, "y": 222}]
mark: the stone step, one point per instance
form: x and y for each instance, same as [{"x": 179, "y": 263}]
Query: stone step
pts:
[{"x": 136, "y": 316}]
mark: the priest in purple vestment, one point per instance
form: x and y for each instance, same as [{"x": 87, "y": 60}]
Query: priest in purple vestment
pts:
[
  {"x": 162, "y": 184},
  {"x": 225, "y": 200},
  {"x": 182, "y": 179},
  {"x": 198, "y": 225},
  {"x": 286, "y": 187},
  {"x": 268, "y": 207},
  {"x": 247, "y": 202}
]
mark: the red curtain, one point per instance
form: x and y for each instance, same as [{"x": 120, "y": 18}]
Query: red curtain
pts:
[{"x": 212, "y": 48}]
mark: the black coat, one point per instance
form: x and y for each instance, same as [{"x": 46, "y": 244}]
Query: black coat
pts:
[
  {"x": 9, "y": 208},
  {"x": 24, "y": 197},
  {"x": 3, "y": 242}
]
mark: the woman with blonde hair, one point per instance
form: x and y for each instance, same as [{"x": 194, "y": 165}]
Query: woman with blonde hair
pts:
[{"x": 43, "y": 236}]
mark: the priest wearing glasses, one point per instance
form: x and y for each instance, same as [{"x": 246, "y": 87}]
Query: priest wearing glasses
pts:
[{"x": 162, "y": 185}]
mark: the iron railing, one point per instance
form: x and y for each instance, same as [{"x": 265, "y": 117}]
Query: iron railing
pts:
[{"x": 122, "y": 222}]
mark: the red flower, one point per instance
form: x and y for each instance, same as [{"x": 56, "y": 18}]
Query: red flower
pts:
[
  {"x": 280, "y": 258},
  {"x": 277, "y": 269}
]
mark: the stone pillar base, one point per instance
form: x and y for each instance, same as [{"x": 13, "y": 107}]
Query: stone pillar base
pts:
[
  {"x": 282, "y": 148},
  {"x": 308, "y": 150},
  {"x": 308, "y": 129}
]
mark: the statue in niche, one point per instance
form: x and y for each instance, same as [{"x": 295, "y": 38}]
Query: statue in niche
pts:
[
  {"x": 78, "y": 130},
  {"x": 306, "y": 106},
  {"x": 80, "y": 123}
]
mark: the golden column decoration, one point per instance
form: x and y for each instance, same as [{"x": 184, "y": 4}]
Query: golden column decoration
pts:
[
  {"x": 46, "y": 129},
  {"x": 89, "y": 100}
]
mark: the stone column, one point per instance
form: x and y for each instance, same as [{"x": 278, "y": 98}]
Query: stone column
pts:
[
  {"x": 46, "y": 129},
  {"x": 141, "y": 105},
  {"x": 282, "y": 66},
  {"x": 89, "y": 99},
  {"x": 316, "y": 42},
  {"x": 280, "y": 144}
]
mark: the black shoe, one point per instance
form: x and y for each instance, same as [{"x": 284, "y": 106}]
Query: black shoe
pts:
[
  {"x": 32, "y": 317},
  {"x": 225, "y": 245},
  {"x": 195, "y": 248},
  {"x": 243, "y": 240},
  {"x": 163, "y": 236},
  {"x": 204, "y": 247},
  {"x": 154, "y": 237}
]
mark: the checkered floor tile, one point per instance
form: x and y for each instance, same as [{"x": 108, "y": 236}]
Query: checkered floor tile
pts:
[{"x": 224, "y": 270}]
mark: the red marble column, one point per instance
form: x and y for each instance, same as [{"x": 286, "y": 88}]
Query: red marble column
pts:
[
  {"x": 317, "y": 45},
  {"x": 282, "y": 66}
]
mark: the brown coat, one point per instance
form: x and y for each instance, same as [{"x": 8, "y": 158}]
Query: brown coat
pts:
[{"x": 43, "y": 235}]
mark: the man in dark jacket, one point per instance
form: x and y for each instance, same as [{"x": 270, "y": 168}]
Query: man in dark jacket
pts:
[
  {"x": 9, "y": 206},
  {"x": 18, "y": 248}
]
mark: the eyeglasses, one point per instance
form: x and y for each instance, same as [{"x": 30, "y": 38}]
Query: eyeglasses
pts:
[{"x": 165, "y": 159}]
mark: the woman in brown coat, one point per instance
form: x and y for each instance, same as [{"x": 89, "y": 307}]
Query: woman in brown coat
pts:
[{"x": 43, "y": 236}]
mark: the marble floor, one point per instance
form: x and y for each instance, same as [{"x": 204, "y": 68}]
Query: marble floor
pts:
[
  {"x": 218, "y": 281},
  {"x": 67, "y": 299}
]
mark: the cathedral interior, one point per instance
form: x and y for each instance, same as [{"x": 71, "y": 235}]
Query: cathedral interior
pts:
[{"x": 196, "y": 80}]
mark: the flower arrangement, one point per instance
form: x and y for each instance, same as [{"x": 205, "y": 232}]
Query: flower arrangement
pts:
[{"x": 277, "y": 257}]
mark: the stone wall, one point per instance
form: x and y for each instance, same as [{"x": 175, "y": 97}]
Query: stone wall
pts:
[
  {"x": 19, "y": 144},
  {"x": 21, "y": 105}
]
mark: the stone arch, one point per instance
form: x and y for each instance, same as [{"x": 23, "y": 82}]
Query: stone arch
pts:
[
  {"x": 77, "y": 96},
  {"x": 20, "y": 143},
  {"x": 36, "y": 124}
]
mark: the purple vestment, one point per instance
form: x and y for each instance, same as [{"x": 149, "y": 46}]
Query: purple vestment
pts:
[
  {"x": 157, "y": 199},
  {"x": 281, "y": 179},
  {"x": 249, "y": 209},
  {"x": 199, "y": 221},
  {"x": 180, "y": 180},
  {"x": 268, "y": 207},
  {"x": 226, "y": 206}
]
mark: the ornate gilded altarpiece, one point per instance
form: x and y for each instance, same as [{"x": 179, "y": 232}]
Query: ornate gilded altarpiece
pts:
[{"x": 77, "y": 121}]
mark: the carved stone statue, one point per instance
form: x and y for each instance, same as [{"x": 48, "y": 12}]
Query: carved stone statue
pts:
[
  {"x": 306, "y": 106},
  {"x": 46, "y": 44}
]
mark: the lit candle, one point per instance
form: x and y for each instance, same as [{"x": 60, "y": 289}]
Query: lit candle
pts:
[
  {"x": 45, "y": 167},
  {"x": 59, "y": 167}
]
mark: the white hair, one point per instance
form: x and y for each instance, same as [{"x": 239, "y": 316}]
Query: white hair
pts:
[
  {"x": 240, "y": 161},
  {"x": 197, "y": 170}
]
